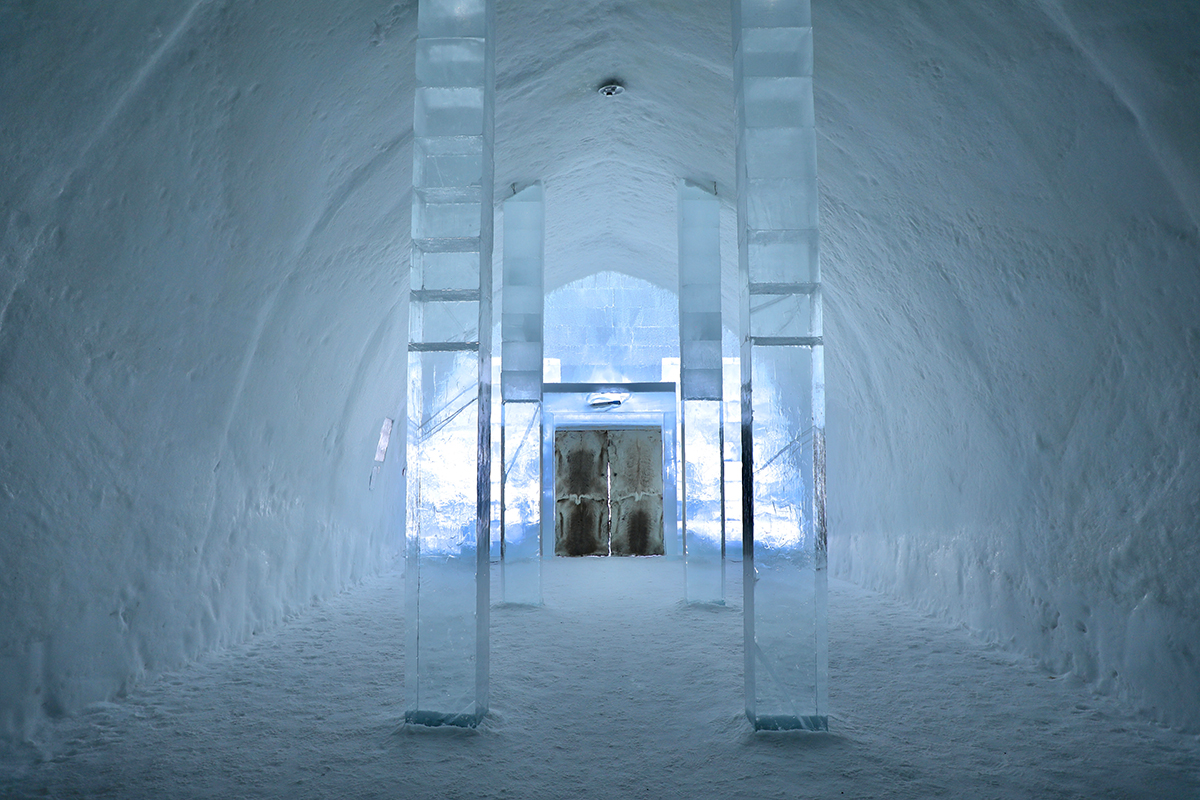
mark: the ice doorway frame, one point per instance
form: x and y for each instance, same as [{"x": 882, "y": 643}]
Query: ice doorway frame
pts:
[{"x": 650, "y": 405}]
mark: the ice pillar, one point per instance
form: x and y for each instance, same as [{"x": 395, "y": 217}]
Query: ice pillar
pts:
[
  {"x": 449, "y": 367},
  {"x": 521, "y": 397},
  {"x": 783, "y": 384},
  {"x": 699, "y": 215}
]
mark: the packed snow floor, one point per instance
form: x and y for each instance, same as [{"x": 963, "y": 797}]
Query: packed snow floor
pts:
[{"x": 613, "y": 689}]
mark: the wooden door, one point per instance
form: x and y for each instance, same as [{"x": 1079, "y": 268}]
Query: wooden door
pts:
[
  {"x": 635, "y": 462},
  {"x": 608, "y": 490},
  {"x": 581, "y": 493}
]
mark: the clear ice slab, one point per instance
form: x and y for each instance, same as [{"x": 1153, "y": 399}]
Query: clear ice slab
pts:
[
  {"x": 449, "y": 368},
  {"x": 782, "y": 369},
  {"x": 701, "y": 388}
]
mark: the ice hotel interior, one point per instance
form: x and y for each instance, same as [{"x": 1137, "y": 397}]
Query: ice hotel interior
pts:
[{"x": 616, "y": 398}]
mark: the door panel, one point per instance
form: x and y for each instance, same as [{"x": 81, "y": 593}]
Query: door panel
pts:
[
  {"x": 581, "y": 493},
  {"x": 636, "y": 491}
]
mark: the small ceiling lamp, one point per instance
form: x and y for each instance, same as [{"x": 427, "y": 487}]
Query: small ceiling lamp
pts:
[{"x": 602, "y": 401}]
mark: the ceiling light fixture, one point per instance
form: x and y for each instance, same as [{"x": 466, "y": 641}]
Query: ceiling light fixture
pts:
[{"x": 602, "y": 401}]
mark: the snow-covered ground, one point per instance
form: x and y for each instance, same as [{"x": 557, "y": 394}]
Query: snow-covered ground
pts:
[{"x": 613, "y": 689}]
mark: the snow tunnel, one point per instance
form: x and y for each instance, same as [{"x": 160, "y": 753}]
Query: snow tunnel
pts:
[{"x": 204, "y": 307}]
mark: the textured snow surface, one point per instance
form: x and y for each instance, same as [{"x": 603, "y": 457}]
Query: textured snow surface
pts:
[
  {"x": 203, "y": 273},
  {"x": 1013, "y": 267},
  {"x": 613, "y": 689},
  {"x": 202, "y": 330}
]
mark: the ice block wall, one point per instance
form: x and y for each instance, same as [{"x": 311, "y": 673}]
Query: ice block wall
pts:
[
  {"x": 521, "y": 395},
  {"x": 611, "y": 326},
  {"x": 447, "y": 575},
  {"x": 700, "y": 386},
  {"x": 782, "y": 368}
]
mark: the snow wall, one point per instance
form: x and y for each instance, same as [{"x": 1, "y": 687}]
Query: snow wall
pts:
[
  {"x": 203, "y": 305},
  {"x": 204, "y": 325},
  {"x": 1011, "y": 194}
]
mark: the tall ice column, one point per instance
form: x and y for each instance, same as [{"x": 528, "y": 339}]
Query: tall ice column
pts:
[
  {"x": 699, "y": 214},
  {"x": 783, "y": 382},
  {"x": 449, "y": 367},
  {"x": 521, "y": 396}
]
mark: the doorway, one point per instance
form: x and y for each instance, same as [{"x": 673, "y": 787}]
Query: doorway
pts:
[{"x": 608, "y": 492}]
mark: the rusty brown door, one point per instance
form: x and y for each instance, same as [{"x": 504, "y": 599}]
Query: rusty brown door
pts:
[{"x": 608, "y": 489}]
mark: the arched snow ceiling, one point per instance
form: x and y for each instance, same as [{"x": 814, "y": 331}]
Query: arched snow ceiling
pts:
[{"x": 611, "y": 164}]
